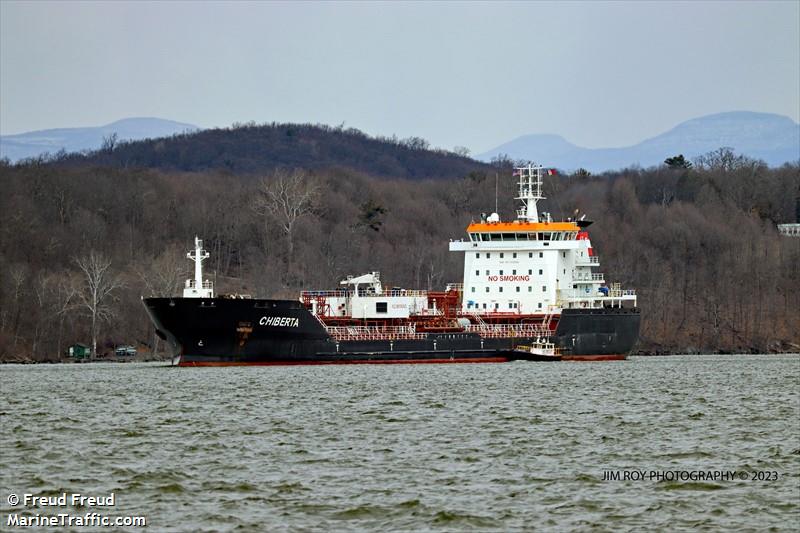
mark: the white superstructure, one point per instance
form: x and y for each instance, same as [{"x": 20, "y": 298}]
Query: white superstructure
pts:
[
  {"x": 364, "y": 297},
  {"x": 532, "y": 265}
]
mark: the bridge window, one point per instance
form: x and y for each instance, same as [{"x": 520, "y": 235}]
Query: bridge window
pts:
[
  {"x": 540, "y": 305},
  {"x": 501, "y": 272},
  {"x": 530, "y": 272},
  {"x": 487, "y": 289},
  {"x": 487, "y": 272},
  {"x": 473, "y": 289},
  {"x": 501, "y": 255},
  {"x": 381, "y": 307},
  {"x": 541, "y": 271},
  {"x": 484, "y": 306},
  {"x": 530, "y": 254},
  {"x": 518, "y": 289},
  {"x": 478, "y": 255},
  {"x": 501, "y": 289},
  {"x": 530, "y": 289},
  {"x": 513, "y": 272},
  {"x": 544, "y": 288},
  {"x": 488, "y": 255},
  {"x": 514, "y": 255},
  {"x": 477, "y": 272}
]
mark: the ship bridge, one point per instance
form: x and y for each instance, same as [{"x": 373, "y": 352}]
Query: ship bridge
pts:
[{"x": 518, "y": 231}]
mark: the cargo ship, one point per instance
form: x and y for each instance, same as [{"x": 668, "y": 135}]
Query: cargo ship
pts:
[{"x": 530, "y": 291}]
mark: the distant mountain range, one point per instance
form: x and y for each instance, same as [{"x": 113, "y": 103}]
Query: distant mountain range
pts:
[
  {"x": 35, "y": 143},
  {"x": 772, "y": 138}
]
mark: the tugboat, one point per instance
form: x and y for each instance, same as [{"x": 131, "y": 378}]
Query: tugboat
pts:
[{"x": 529, "y": 287}]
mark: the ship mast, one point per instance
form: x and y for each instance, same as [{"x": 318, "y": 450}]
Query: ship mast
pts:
[
  {"x": 530, "y": 191},
  {"x": 197, "y": 287}
]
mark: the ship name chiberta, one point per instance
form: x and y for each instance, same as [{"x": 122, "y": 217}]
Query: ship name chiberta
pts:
[{"x": 281, "y": 321}]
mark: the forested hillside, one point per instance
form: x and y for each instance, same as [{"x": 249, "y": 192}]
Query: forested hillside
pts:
[
  {"x": 249, "y": 148},
  {"x": 699, "y": 244}
]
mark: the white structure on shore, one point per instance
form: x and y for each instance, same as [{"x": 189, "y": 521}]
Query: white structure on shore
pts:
[{"x": 789, "y": 230}]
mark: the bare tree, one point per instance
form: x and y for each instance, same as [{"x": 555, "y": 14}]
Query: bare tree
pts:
[
  {"x": 164, "y": 277},
  {"x": 97, "y": 290},
  {"x": 287, "y": 197},
  {"x": 65, "y": 294},
  {"x": 19, "y": 275},
  {"x": 109, "y": 142}
]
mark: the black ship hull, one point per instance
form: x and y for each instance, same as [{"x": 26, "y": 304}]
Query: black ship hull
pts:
[{"x": 231, "y": 332}]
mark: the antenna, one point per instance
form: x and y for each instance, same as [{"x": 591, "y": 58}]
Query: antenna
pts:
[{"x": 495, "y": 192}]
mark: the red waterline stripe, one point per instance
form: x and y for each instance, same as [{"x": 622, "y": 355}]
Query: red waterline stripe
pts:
[{"x": 356, "y": 362}]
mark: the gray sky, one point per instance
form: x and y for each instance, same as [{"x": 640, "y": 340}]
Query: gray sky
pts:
[{"x": 470, "y": 74}]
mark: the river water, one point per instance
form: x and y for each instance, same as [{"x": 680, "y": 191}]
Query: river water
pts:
[{"x": 516, "y": 446}]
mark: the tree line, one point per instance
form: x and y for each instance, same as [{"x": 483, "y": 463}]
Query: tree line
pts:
[{"x": 696, "y": 239}]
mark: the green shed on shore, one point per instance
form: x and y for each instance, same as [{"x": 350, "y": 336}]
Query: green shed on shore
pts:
[{"x": 78, "y": 351}]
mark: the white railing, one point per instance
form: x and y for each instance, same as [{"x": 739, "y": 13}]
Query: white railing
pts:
[
  {"x": 369, "y": 333},
  {"x": 192, "y": 284},
  {"x": 572, "y": 294},
  {"x": 587, "y": 276},
  {"x": 620, "y": 293},
  {"x": 508, "y": 330},
  {"x": 588, "y": 260},
  {"x": 342, "y": 293}
]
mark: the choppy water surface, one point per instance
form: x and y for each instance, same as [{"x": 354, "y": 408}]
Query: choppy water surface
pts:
[{"x": 409, "y": 447}]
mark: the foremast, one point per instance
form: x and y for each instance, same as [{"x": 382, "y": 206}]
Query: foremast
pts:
[{"x": 198, "y": 287}]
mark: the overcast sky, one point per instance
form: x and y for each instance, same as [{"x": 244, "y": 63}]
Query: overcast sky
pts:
[{"x": 458, "y": 74}]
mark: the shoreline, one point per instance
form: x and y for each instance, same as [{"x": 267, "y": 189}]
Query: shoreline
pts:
[{"x": 167, "y": 359}]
